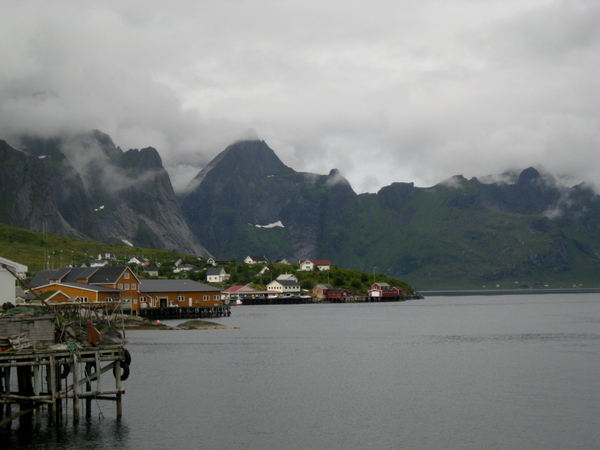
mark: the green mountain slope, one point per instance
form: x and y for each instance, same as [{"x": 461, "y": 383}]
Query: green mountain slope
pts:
[{"x": 528, "y": 231}]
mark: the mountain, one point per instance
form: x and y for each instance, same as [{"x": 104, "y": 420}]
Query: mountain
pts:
[
  {"x": 26, "y": 193},
  {"x": 246, "y": 201},
  {"x": 108, "y": 195},
  {"x": 521, "y": 228},
  {"x": 516, "y": 229}
]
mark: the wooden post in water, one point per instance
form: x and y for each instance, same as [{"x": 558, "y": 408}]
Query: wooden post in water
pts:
[
  {"x": 7, "y": 374},
  {"x": 118, "y": 385},
  {"x": 36, "y": 391},
  {"x": 98, "y": 373},
  {"x": 53, "y": 396},
  {"x": 88, "y": 388},
  {"x": 75, "y": 371}
]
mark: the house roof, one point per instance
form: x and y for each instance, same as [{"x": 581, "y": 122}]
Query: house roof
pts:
[
  {"x": 287, "y": 276},
  {"x": 214, "y": 271},
  {"x": 43, "y": 277},
  {"x": 239, "y": 288},
  {"x": 337, "y": 291},
  {"x": 106, "y": 275},
  {"x": 175, "y": 286},
  {"x": 317, "y": 262},
  {"x": 324, "y": 286},
  {"x": 286, "y": 282},
  {"x": 258, "y": 258},
  {"x": 220, "y": 260},
  {"x": 93, "y": 275},
  {"x": 14, "y": 266}
]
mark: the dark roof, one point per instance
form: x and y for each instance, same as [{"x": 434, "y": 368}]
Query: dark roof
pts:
[
  {"x": 175, "y": 286},
  {"x": 337, "y": 291},
  {"x": 60, "y": 273},
  {"x": 258, "y": 258},
  {"x": 287, "y": 282},
  {"x": 214, "y": 270},
  {"x": 94, "y": 275},
  {"x": 79, "y": 273},
  {"x": 110, "y": 274},
  {"x": 41, "y": 278}
]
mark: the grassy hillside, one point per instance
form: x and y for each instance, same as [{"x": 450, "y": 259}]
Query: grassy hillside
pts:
[
  {"x": 46, "y": 251},
  {"x": 441, "y": 241}
]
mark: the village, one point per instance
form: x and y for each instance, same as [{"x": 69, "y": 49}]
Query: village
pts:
[{"x": 138, "y": 285}]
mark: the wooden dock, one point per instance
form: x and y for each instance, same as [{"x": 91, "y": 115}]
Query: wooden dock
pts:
[
  {"x": 276, "y": 301},
  {"x": 184, "y": 312},
  {"x": 53, "y": 377}
]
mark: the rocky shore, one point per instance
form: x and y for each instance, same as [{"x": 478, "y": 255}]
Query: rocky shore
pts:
[{"x": 139, "y": 323}]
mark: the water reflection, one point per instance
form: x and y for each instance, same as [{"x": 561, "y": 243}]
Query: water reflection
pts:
[{"x": 96, "y": 430}]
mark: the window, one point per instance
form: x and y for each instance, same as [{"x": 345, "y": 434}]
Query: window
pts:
[
  {"x": 180, "y": 298},
  {"x": 127, "y": 286},
  {"x": 143, "y": 299},
  {"x": 120, "y": 286},
  {"x": 206, "y": 298},
  {"x": 135, "y": 301},
  {"x": 217, "y": 297},
  {"x": 83, "y": 299},
  {"x": 133, "y": 286},
  {"x": 109, "y": 299},
  {"x": 127, "y": 275}
]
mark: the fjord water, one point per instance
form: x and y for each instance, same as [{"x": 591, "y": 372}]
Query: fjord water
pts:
[{"x": 494, "y": 372}]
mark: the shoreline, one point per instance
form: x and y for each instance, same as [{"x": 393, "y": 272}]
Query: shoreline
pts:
[{"x": 467, "y": 292}]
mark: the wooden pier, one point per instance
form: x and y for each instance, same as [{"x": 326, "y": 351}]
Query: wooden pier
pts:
[
  {"x": 385, "y": 299},
  {"x": 184, "y": 312},
  {"x": 296, "y": 300},
  {"x": 54, "y": 377}
]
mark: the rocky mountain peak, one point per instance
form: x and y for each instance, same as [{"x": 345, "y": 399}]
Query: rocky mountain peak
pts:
[
  {"x": 528, "y": 175},
  {"x": 145, "y": 159},
  {"x": 248, "y": 160}
]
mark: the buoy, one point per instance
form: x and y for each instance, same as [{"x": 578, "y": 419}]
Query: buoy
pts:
[
  {"x": 127, "y": 357},
  {"x": 64, "y": 370},
  {"x": 158, "y": 321}
]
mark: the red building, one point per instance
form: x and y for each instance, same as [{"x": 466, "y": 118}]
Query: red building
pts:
[{"x": 383, "y": 292}]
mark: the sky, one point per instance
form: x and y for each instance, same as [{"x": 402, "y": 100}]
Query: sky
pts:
[{"x": 384, "y": 91}]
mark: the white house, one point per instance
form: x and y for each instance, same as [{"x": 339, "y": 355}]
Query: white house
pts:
[
  {"x": 99, "y": 263},
  {"x": 8, "y": 287},
  {"x": 309, "y": 264},
  {"x": 216, "y": 275},
  {"x": 183, "y": 268},
  {"x": 264, "y": 270},
  {"x": 284, "y": 287},
  {"x": 139, "y": 260},
  {"x": 217, "y": 261},
  {"x": 255, "y": 259}
]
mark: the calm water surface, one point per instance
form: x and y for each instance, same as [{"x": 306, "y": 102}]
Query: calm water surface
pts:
[{"x": 497, "y": 372}]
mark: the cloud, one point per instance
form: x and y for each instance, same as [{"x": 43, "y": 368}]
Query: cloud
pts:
[{"x": 384, "y": 91}]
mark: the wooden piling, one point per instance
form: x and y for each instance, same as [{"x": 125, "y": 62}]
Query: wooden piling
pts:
[{"x": 58, "y": 365}]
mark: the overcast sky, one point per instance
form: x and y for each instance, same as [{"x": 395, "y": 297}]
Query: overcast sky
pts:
[{"x": 384, "y": 91}]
